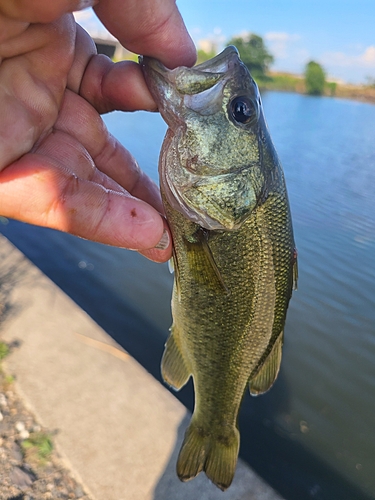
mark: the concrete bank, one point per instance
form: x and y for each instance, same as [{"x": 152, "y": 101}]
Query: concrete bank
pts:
[{"x": 119, "y": 430}]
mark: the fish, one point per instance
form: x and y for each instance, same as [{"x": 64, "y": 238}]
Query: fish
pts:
[{"x": 234, "y": 256}]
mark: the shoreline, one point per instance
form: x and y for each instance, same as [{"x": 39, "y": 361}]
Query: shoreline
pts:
[
  {"x": 358, "y": 98},
  {"x": 281, "y": 81},
  {"x": 288, "y": 82}
]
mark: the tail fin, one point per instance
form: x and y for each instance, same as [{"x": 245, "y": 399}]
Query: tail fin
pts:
[{"x": 214, "y": 453}]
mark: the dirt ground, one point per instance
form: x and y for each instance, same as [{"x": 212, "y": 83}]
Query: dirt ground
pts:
[{"x": 30, "y": 468}]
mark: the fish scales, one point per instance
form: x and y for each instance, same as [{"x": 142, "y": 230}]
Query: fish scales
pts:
[{"x": 234, "y": 255}]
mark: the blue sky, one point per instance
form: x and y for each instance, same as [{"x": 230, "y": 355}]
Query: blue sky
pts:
[{"x": 338, "y": 34}]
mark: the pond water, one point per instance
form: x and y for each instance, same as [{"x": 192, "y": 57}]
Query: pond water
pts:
[{"x": 313, "y": 434}]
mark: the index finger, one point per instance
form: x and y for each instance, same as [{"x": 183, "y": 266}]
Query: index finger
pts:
[{"x": 150, "y": 27}]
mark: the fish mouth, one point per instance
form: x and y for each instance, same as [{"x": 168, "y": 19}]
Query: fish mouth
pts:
[
  {"x": 190, "y": 81},
  {"x": 199, "y": 88},
  {"x": 219, "y": 63}
]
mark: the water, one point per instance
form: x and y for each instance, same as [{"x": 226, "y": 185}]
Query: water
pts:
[{"x": 313, "y": 435}]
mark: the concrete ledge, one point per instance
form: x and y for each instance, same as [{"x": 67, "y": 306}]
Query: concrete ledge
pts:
[{"x": 118, "y": 428}]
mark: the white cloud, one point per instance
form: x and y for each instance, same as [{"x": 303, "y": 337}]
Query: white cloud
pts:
[
  {"x": 281, "y": 36},
  {"x": 196, "y": 31},
  {"x": 365, "y": 59},
  {"x": 213, "y": 41},
  {"x": 368, "y": 57},
  {"x": 280, "y": 43},
  {"x": 245, "y": 35}
]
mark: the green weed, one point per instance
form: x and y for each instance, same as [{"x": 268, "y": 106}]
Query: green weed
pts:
[
  {"x": 38, "y": 447},
  {"x": 4, "y": 350}
]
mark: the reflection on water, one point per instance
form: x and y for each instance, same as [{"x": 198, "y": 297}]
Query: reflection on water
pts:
[{"x": 313, "y": 435}]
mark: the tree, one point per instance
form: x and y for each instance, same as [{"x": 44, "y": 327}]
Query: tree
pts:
[
  {"x": 315, "y": 78},
  {"x": 254, "y": 54}
]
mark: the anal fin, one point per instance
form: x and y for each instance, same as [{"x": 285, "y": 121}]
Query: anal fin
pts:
[
  {"x": 267, "y": 375},
  {"x": 173, "y": 366}
]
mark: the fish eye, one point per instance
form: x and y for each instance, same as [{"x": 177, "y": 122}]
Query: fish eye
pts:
[{"x": 241, "y": 109}]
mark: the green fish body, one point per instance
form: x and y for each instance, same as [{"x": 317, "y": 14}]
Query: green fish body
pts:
[{"x": 234, "y": 255}]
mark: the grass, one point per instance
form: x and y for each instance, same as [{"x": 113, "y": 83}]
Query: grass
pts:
[
  {"x": 37, "y": 448},
  {"x": 4, "y": 350},
  {"x": 364, "y": 93},
  {"x": 283, "y": 81},
  {"x": 5, "y": 380},
  {"x": 294, "y": 83}
]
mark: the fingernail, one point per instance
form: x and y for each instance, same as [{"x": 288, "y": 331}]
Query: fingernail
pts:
[{"x": 164, "y": 241}]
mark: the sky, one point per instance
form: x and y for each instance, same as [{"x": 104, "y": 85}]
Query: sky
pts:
[{"x": 339, "y": 34}]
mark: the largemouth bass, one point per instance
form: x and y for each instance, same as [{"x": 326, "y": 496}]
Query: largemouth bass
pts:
[{"x": 234, "y": 255}]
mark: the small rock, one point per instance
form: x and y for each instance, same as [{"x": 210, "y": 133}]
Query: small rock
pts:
[
  {"x": 78, "y": 492},
  {"x": 10, "y": 395},
  {"x": 15, "y": 452},
  {"x": 1, "y": 417},
  {"x": 8, "y": 444},
  {"x": 58, "y": 478},
  {"x": 3, "y": 400},
  {"x": 24, "y": 434},
  {"x": 22, "y": 478},
  {"x": 5, "y": 427},
  {"x": 20, "y": 426}
]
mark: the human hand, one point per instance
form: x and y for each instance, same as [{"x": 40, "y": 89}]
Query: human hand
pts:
[{"x": 59, "y": 166}]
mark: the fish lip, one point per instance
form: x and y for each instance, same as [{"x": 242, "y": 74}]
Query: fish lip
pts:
[
  {"x": 148, "y": 63},
  {"x": 218, "y": 65},
  {"x": 215, "y": 63}
]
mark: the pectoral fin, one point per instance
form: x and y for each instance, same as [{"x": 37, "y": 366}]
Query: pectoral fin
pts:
[
  {"x": 173, "y": 268},
  {"x": 202, "y": 263},
  {"x": 173, "y": 365},
  {"x": 267, "y": 375}
]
